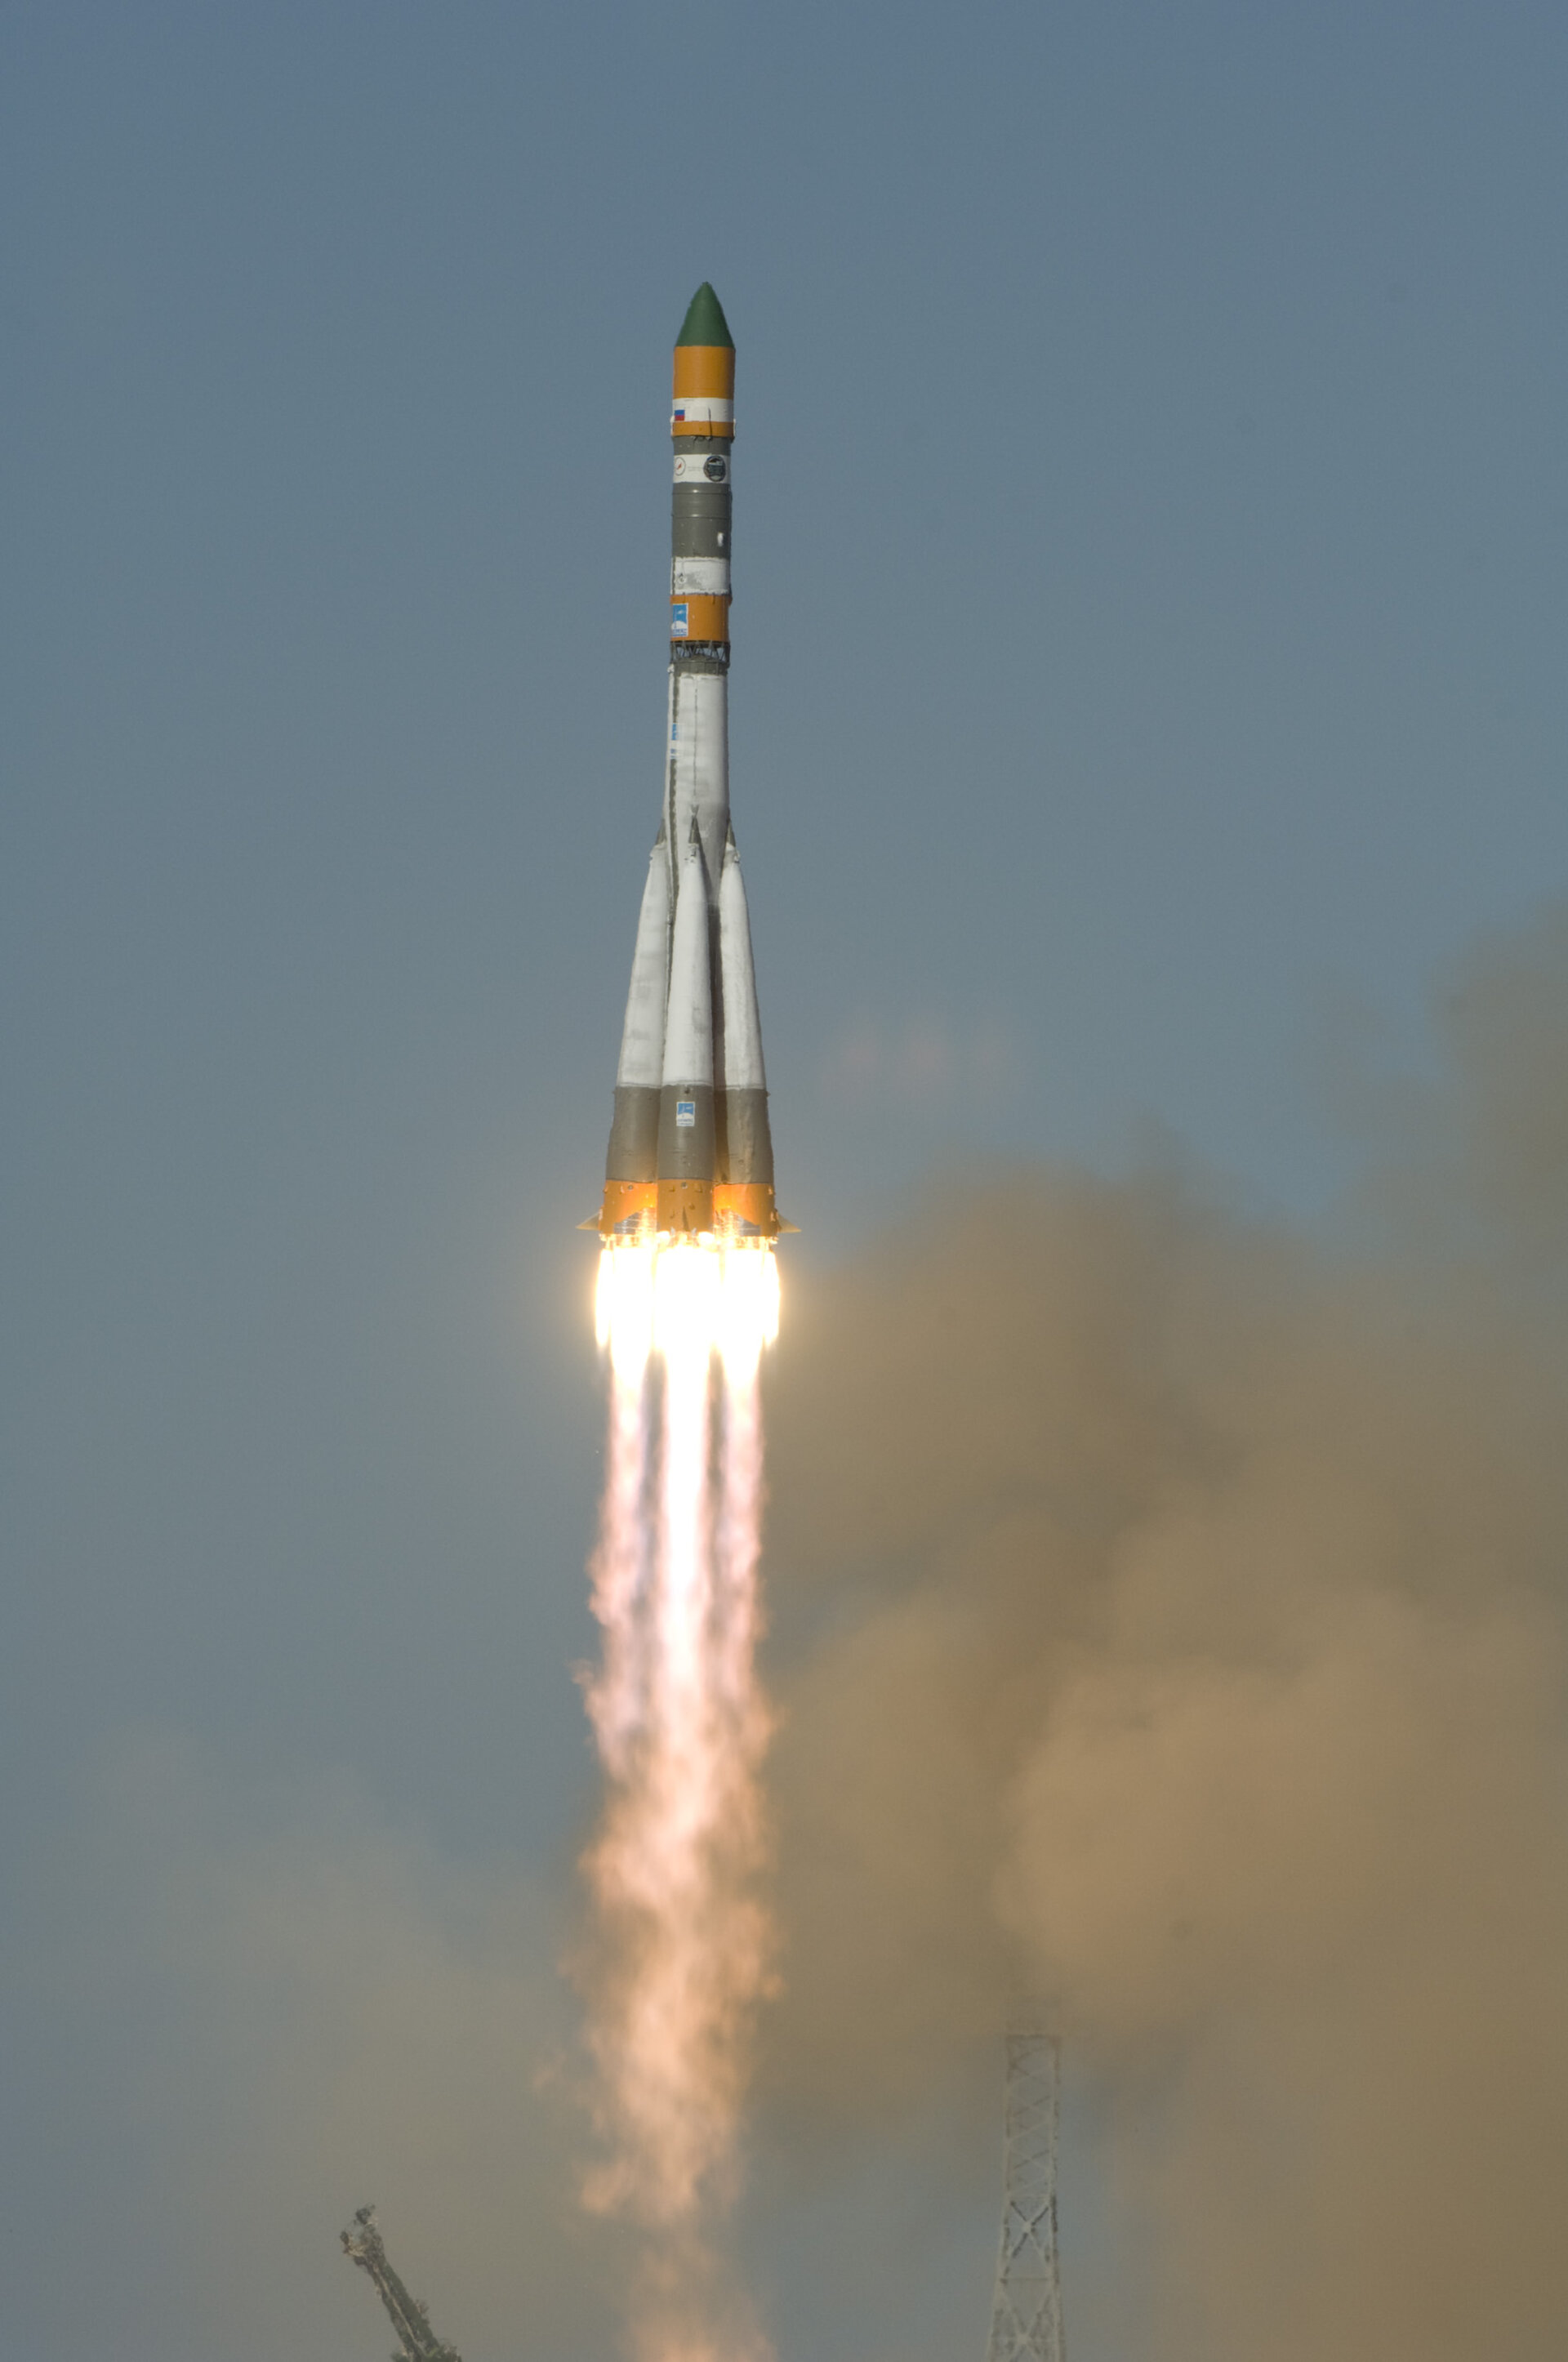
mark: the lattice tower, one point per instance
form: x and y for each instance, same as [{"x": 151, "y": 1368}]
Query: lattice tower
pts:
[
  {"x": 1026, "y": 2312},
  {"x": 416, "y": 2341}
]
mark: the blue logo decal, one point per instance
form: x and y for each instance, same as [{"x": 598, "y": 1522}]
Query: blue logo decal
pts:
[
  {"x": 678, "y": 624},
  {"x": 686, "y": 1115}
]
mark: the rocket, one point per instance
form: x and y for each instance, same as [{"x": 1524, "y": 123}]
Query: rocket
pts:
[{"x": 691, "y": 1153}]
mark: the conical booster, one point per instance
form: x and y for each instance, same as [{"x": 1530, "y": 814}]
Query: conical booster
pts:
[
  {"x": 742, "y": 1166},
  {"x": 630, "y": 1167},
  {"x": 685, "y": 1198}
]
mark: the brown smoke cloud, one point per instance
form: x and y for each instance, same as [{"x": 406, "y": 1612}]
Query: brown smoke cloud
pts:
[{"x": 1169, "y": 1618}]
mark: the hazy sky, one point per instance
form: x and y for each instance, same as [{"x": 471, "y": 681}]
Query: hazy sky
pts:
[{"x": 1149, "y": 681}]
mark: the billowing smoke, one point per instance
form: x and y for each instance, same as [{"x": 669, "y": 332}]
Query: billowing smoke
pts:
[{"x": 1171, "y": 1622}]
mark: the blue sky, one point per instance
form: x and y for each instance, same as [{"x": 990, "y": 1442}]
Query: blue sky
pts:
[{"x": 1152, "y": 507}]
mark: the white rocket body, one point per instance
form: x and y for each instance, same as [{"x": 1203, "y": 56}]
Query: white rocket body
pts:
[{"x": 691, "y": 1152}]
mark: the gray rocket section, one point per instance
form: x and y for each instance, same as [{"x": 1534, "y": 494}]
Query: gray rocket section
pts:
[
  {"x": 744, "y": 1142},
  {"x": 699, "y": 521},
  {"x": 700, "y": 533},
  {"x": 634, "y": 1134},
  {"x": 686, "y": 1094}
]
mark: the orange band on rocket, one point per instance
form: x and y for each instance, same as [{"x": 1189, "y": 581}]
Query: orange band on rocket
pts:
[
  {"x": 704, "y": 391},
  {"x": 699, "y": 619}
]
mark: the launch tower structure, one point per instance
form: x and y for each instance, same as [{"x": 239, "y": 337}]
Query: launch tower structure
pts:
[
  {"x": 1026, "y": 2311},
  {"x": 416, "y": 2341}
]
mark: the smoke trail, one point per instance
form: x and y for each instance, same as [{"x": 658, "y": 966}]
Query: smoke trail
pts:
[
  {"x": 682, "y": 1729},
  {"x": 625, "y": 1324},
  {"x": 740, "y": 1534},
  {"x": 1177, "y": 1624}
]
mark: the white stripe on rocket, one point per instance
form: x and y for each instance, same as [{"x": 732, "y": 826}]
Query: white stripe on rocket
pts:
[
  {"x": 697, "y": 578},
  {"x": 704, "y": 408}
]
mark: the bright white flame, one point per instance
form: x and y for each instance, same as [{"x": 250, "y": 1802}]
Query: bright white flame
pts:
[
  {"x": 687, "y": 1294},
  {"x": 681, "y": 1726},
  {"x": 687, "y": 1301},
  {"x": 624, "y": 1308}
]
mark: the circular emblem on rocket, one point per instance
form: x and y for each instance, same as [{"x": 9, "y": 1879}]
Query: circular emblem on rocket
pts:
[{"x": 716, "y": 469}]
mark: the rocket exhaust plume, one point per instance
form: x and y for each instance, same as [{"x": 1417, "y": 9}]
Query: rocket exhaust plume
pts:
[
  {"x": 688, "y": 1299},
  {"x": 680, "y": 1726}
]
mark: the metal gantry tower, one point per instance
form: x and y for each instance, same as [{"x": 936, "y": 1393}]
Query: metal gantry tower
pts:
[
  {"x": 1026, "y": 2312},
  {"x": 417, "y": 2342}
]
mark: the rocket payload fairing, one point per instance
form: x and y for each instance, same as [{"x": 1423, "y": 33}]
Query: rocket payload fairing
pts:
[{"x": 691, "y": 1153}]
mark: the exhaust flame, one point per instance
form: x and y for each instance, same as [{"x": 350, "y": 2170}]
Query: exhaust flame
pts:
[{"x": 681, "y": 1728}]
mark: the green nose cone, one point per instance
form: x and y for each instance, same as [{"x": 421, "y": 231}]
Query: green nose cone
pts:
[{"x": 705, "y": 322}]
